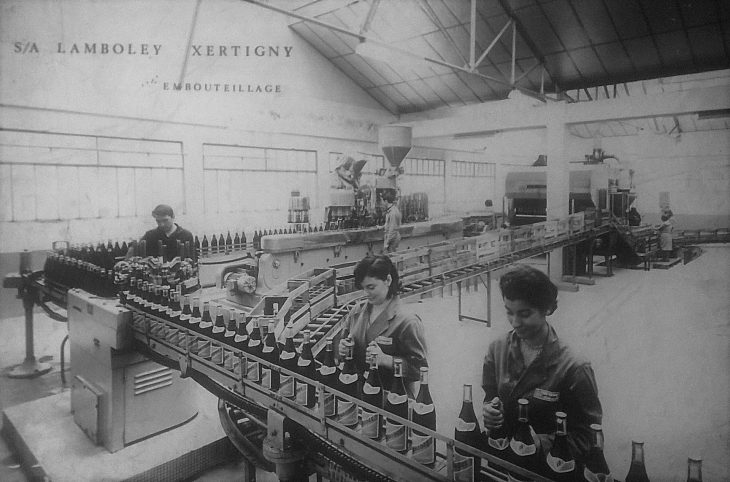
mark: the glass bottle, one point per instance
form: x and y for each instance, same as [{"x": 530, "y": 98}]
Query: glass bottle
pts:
[
  {"x": 637, "y": 470},
  {"x": 329, "y": 376},
  {"x": 396, "y": 402},
  {"x": 596, "y": 468},
  {"x": 694, "y": 469},
  {"x": 270, "y": 353},
  {"x": 306, "y": 392},
  {"x": 372, "y": 393},
  {"x": 230, "y": 334},
  {"x": 498, "y": 438},
  {"x": 219, "y": 325},
  {"x": 347, "y": 410},
  {"x": 560, "y": 460},
  {"x": 241, "y": 339},
  {"x": 467, "y": 431},
  {"x": 288, "y": 359},
  {"x": 423, "y": 447},
  {"x": 195, "y": 316},
  {"x": 523, "y": 448},
  {"x": 253, "y": 367}
]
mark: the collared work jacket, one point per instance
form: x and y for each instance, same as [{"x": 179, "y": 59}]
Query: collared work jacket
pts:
[
  {"x": 391, "y": 233},
  {"x": 555, "y": 381},
  {"x": 397, "y": 332}
]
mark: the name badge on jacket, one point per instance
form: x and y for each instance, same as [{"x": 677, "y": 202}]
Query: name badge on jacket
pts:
[
  {"x": 384, "y": 340},
  {"x": 546, "y": 395}
]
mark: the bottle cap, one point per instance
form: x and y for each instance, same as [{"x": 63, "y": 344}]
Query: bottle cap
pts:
[
  {"x": 522, "y": 401},
  {"x": 596, "y": 426},
  {"x": 561, "y": 414}
]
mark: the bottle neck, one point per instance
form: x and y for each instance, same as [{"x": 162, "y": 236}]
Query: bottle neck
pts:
[
  {"x": 694, "y": 470},
  {"x": 467, "y": 394},
  {"x": 637, "y": 452},
  {"x": 424, "y": 377},
  {"x": 522, "y": 414}
]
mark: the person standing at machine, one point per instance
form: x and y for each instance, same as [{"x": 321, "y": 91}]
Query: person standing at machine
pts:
[
  {"x": 167, "y": 231},
  {"x": 665, "y": 234},
  {"x": 531, "y": 362},
  {"x": 391, "y": 233},
  {"x": 379, "y": 326}
]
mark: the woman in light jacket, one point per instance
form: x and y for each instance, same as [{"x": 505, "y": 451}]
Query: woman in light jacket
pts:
[{"x": 391, "y": 234}]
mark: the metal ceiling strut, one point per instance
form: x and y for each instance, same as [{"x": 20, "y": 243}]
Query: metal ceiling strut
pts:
[{"x": 363, "y": 38}]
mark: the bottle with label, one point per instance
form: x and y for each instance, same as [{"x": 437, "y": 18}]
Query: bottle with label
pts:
[
  {"x": 306, "y": 393},
  {"x": 423, "y": 447},
  {"x": 328, "y": 375},
  {"x": 240, "y": 341},
  {"x": 219, "y": 325},
  {"x": 221, "y": 244},
  {"x": 396, "y": 402},
  {"x": 270, "y": 353},
  {"x": 347, "y": 410},
  {"x": 205, "y": 327},
  {"x": 174, "y": 312},
  {"x": 467, "y": 431},
  {"x": 372, "y": 393},
  {"x": 204, "y": 247},
  {"x": 637, "y": 470},
  {"x": 213, "y": 245},
  {"x": 561, "y": 463},
  {"x": 253, "y": 367},
  {"x": 694, "y": 469},
  {"x": 288, "y": 359},
  {"x": 596, "y": 468},
  {"x": 498, "y": 438},
  {"x": 523, "y": 447},
  {"x": 230, "y": 334},
  {"x": 229, "y": 243},
  {"x": 195, "y": 316}
]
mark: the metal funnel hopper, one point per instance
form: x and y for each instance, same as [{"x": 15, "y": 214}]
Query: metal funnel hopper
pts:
[{"x": 395, "y": 142}]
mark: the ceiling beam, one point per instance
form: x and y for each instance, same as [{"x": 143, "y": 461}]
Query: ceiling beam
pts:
[
  {"x": 504, "y": 115},
  {"x": 407, "y": 54},
  {"x": 491, "y": 45},
  {"x": 369, "y": 18}
]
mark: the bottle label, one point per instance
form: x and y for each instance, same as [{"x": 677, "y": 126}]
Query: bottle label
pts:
[
  {"x": 463, "y": 468},
  {"x": 370, "y": 423},
  {"x": 348, "y": 379},
  {"x": 195, "y": 320},
  {"x": 498, "y": 443},
  {"x": 591, "y": 477},
  {"x": 395, "y": 435},
  {"x": 395, "y": 399},
  {"x": 266, "y": 377},
  {"x": 463, "y": 426},
  {"x": 368, "y": 389},
  {"x": 347, "y": 411},
  {"x": 324, "y": 370},
  {"x": 304, "y": 362},
  {"x": 229, "y": 333},
  {"x": 287, "y": 355},
  {"x": 423, "y": 448},
  {"x": 205, "y": 324},
  {"x": 175, "y": 313},
  {"x": 422, "y": 408},
  {"x": 184, "y": 318},
  {"x": 267, "y": 349},
  {"x": 218, "y": 329},
  {"x": 302, "y": 392},
  {"x": 286, "y": 387},
  {"x": 240, "y": 338},
  {"x": 330, "y": 407},
  {"x": 252, "y": 371},
  {"x": 522, "y": 449},
  {"x": 559, "y": 465}
]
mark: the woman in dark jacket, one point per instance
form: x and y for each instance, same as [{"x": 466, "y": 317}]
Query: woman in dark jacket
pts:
[{"x": 531, "y": 362}]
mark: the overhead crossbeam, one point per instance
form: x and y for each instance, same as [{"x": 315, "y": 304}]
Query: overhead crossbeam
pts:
[
  {"x": 364, "y": 38},
  {"x": 369, "y": 18}
]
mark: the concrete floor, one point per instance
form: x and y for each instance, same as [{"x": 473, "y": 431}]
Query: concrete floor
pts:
[{"x": 659, "y": 343}]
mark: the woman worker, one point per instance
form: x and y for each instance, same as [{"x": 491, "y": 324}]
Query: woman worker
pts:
[
  {"x": 379, "y": 325},
  {"x": 391, "y": 233},
  {"x": 665, "y": 234},
  {"x": 531, "y": 362}
]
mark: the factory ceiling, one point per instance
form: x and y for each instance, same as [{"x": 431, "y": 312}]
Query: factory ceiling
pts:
[{"x": 414, "y": 56}]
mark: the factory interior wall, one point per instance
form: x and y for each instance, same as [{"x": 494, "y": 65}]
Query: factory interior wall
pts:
[{"x": 693, "y": 168}]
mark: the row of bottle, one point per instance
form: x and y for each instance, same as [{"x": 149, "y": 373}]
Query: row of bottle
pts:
[
  {"x": 521, "y": 448},
  {"x": 75, "y": 273},
  {"x": 103, "y": 255},
  {"x": 261, "y": 344}
]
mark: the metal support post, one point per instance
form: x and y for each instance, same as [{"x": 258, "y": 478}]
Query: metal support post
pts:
[
  {"x": 30, "y": 368},
  {"x": 472, "y": 318},
  {"x": 590, "y": 257}
]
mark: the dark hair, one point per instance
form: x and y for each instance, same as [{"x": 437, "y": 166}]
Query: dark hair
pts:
[
  {"x": 531, "y": 286},
  {"x": 388, "y": 195},
  {"x": 163, "y": 210},
  {"x": 377, "y": 267}
]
